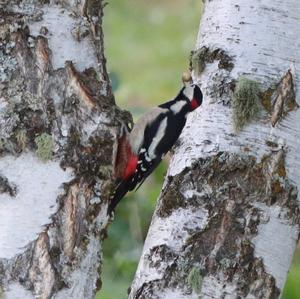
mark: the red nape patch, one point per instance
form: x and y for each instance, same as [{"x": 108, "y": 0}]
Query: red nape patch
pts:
[
  {"x": 194, "y": 104},
  {"x": 131, "y": 166}
]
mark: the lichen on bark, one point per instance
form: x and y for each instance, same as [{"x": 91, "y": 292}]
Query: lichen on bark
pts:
[
  {"x": 44, "y": 146},
  {"x": 245, "y": 102}
]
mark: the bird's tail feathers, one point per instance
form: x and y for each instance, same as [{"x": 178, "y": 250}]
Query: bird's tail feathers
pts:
[{"x": 119, "y": 192}]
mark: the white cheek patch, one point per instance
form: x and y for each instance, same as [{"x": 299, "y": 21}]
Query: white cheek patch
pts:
[
  {"x": 189, "y": 92},
  {"x": 176, "y": 108}
]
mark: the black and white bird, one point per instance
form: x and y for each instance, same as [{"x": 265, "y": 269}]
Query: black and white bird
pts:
[{"x": 154, "y": 134}]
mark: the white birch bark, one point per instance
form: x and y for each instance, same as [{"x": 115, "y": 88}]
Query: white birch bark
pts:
[
  {"x": 58, "y": 128},
  {"x": 227, "y": 220}
]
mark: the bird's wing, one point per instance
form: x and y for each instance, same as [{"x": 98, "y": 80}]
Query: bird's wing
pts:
[{"x": 145, "y": 163}]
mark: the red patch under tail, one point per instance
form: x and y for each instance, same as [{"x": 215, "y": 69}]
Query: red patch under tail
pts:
[
  {"x": 131, "y": 166},
  {"x": 124, "y": 184}
]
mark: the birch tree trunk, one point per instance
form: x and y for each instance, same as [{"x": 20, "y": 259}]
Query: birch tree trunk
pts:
[
  {"x": 227, "y": 220},
  {"x": 58, "y": 127}
]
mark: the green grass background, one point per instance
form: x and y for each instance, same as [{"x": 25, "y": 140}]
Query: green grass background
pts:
[{"x": 147, "y": 49}]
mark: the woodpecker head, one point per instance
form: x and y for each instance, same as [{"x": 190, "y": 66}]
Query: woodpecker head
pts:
[{"x": 192, "y": 93}]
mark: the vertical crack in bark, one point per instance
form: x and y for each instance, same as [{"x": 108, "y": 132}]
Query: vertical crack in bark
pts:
[
  {"x": 41, "y": 272},
  {"x": 82, "y": 91},
  {"x": 68, "y": 225},
  {"x": 43, "y": 57},
  {"x": 284, "y": 98}
]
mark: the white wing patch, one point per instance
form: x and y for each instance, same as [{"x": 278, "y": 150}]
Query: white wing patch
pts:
[
  {"x": 176, "y": 108},
  {"x": 155, "y": 141},
  {"x": 136, "y": 136}
]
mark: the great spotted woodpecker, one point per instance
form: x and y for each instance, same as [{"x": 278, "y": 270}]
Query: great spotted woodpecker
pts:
[{"x": 141, "y": 150}]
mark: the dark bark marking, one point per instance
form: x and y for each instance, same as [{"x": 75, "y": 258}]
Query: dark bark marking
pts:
[
  {"x": 7, "y": 187},
  {"x": 237, "y": 182},
  {"x": 200, "y": 57},
  {"x": 82, "y": 90},
  {"x": 284, "y": 98}
]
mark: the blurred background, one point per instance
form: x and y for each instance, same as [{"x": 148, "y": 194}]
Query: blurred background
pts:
[{"x": 147, "y": 48}]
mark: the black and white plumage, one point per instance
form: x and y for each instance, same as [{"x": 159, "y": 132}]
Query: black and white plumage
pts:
[{"x": 140, "y": 151}]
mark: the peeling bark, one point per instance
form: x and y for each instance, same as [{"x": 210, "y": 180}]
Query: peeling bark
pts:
[
  {"x": 227, "y": 221},
  {"x": 58, "y": 131}
]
